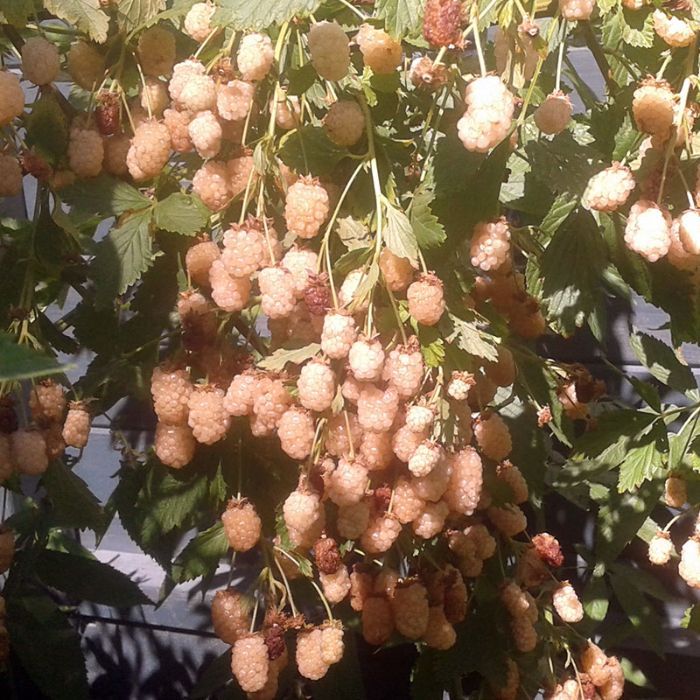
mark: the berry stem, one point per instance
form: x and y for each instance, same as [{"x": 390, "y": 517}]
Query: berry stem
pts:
[
  {"x": 354, "y": 9},
  {"x": 671, "y": 145},
  {"x": 395, "y": 308},
  {"x": 562, "y": 51},
  {"x": 292, "y": 605},
  {"x": 143, "y": 84},
  {"x": 477, "y": 46},
  {"x": 323, "y": 599}
]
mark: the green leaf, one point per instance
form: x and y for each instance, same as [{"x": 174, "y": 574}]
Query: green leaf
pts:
[
  {"x": 691, "y": 618},
  {"x": 17, "y": 12},
  {"x": 201, "y": 555},
  {"x": 641, "y": 35},
  {"x": 572, "y": 290},
  {"x": 641, "y": 614},
  {"x": 243, "y": 14},
  {"x": 301, "y": 79},
  {"x": 282, "y": 356},
  {"x": 47, "y": 646},
  {"x": 558, "y": 213},
  {"x": 352, "y": 260},
  {"x": 432, "y": 346},
  {"x": 215, "y": 675},
  {"x": 309, "y": 150},
  {"x": 401, "y": 17},
  {"x": 22, "y": 362},
  {"x": 606, "y": 5},
  {"x": 639, "y": 578},
  {"x": 399, "y": 236},
  {"x": 122, "y": 257},
  {"x": 664, "y": 363},
  {"x": 429, "y": 232},
  {"x": 74, "y": 505},
  {"x": 47, "y": 128},
  {"x": 596, "y": 599},
  {"x": 104, "y": 195},
  {"x": 181, "y": 213},
  {"x": 133, "y": 13},
  {"x": 608, "y": 442},
  {"x": 470, "y": 339},
  {"x": 621, "y": 517},
  {"x": 83, "y": 578},
  {"x": 643, "y": 457},
  {"x": 86, "y": 15}
]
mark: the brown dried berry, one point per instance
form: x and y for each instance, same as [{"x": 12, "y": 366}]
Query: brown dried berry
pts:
[
  {"x": 327, "y": 555},
  {"x": 274, "y": 640}
]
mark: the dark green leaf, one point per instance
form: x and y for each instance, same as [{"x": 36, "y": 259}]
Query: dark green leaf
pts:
[
  {"x": 572, "y": 290},
  {"x": 214, "y": 676},
  {"x": 641, "y": 614},
  {"x": 122, "y": 257},
  {"x": 558, "y": 213},
  {"x": 301, "y": 79},
  {"x": 181, "y": 213},
  {"x": 82, "y": 578},
  {"x": 104, "y": 195},
  {"x": 470, "y": 339},
  {"x": 201, "y": 555},
  {"x": 47, "y": 647},
  {"x": 47, "y": 128},
  {"x": 621, "y": 517},
  {"x": 643, "y": 457},
  {"x": 429, "y": 232},
  {"x": 22, "y": 362},
  {"x": 641, "y": 34},
  {"x": 74, "y": 505},
  {"x": 664, "y": 363},
  {"x": 309, "y": 150}
]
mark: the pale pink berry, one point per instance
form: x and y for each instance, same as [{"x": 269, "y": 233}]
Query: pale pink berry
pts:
[
  {"x": 197, "y": 21},
  {"x": 11, "y": 97},
  {"x": 424, "y": 458},
  {"x": 40, "y": 60},
  {"x": 301, "y": 262},
  {"x": 278, "y": 294},
  {"x": 211, "y": 184},
  {"x": 316, "y": 386},
  {"x": 648, "y": 230},
  {"x": 426, "y": 302},
  {"x": 338, "y": 335},
  {"x": 353, "y": 519},
  {"x": 660, "y": 548},
  {"x": 381, "y": 533},
  {"x": 270, "y": 405},
  {"x": 466, "y": 477},
  {"x": 244, "y": 248},
  {"x": 567, "y": 603},
  {"x": 375, "y": 450},
  {"x": 411, "y": 610},
  {"x": 404, "y": 369},
  {"x": 338, "y": 441},
  {"x": 149, "y": 151},
  {"x": 255, "y": 56},
  {"x": 405, "y": 442},
  {"x": 348, "y": 482},
  {"x": 366, "y": 359},
  {"x": 508, "y": 519},
  {"x": 250, "y": 663},
  {"x": 398, "y": 272},
  {"x": 432, "y": 486},
  {"x": 407, "y": 505},
  {"x": 306, "y": 207},
  {"x": 609, "y": 189},
  {"x": 676, "y": 32},
  {"x": 381, "y": 52},
  {"x": 689, "y": 230},
  {"x": 207, "y": 417},
  {"x": 490, "y": 244},
  {"x": 206, "y": 134},
  {"x": 174, "y": 445},
  {"x": 234, "y": 100},
  {"x": 653, "y": 108},
  {"x": 377, "y": 408},
  {"x": 229, "y": 293}
]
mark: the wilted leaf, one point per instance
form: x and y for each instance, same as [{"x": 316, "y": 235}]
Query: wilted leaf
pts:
[
  {"x": 84, "y": 14},
  {"x": 282, "y": 356}
]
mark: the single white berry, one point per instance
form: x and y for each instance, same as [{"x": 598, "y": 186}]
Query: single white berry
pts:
[{"x": 255, "y": 56}]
